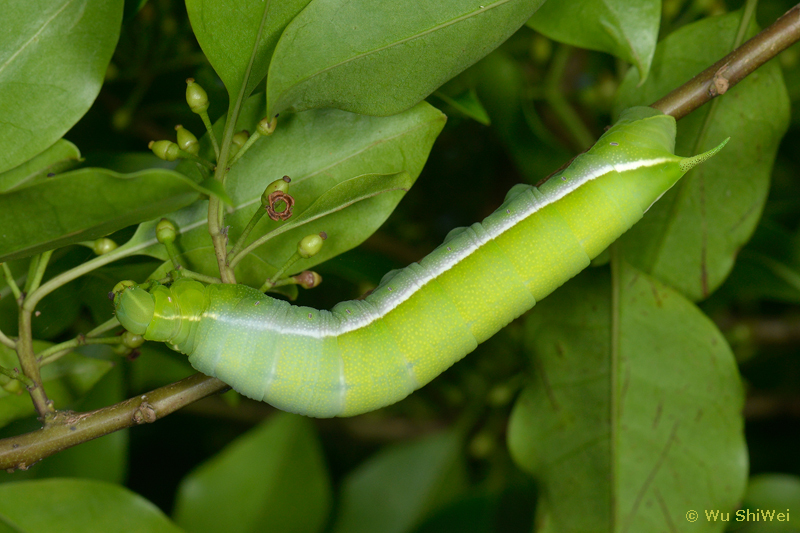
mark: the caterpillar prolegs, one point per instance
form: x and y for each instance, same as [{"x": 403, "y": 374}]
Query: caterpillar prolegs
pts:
[{"x": 363, "y": 355}]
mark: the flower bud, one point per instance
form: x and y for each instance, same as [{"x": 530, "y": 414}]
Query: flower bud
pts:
[
  {"x": 165, "y": 231},
  {"x": 166, "y": 150},
  {"x": 310, "y": 245},
  {"x": 266, "y": 126},
  {"x": 132, "y": 340},
  {"x": 187, "y": 141},
  {"x": 277, "y": 185},
  {"x": 196, "y": 97},
  {"x": 239, "y": 139},
  {"x": 103, "y": 246},
  {"x": 307, "y": 279}
]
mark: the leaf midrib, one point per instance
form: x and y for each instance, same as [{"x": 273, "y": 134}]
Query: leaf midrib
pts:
[
  {"x": 430, "y": 30},
  {"x": 34, "y": 36}
]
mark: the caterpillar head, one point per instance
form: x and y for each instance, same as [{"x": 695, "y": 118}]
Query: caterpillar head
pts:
[{"x": 135, "y": 307}]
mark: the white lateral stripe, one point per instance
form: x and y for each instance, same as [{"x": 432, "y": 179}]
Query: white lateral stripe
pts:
[{"x": 392, "y": 301}]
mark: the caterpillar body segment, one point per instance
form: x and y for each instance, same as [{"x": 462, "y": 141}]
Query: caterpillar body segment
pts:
[{"x": 363, "y": 355}]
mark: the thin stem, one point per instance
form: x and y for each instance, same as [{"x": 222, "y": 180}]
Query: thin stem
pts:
[
  {"x": 271, "y": 282},
  {"x": 246, "y": 233},
  {"x": 65, "y": 277},
  {"x": 173, "y": 254},
  {"x": 7, "y": 341},
  {"x": 10, "y": 281},
  {"x": 30, "y": 367},
  {"x": 186, "y": 155},
  {"x": 53, "y": 353},
  {"x": 253, "y": 245},
  {"x": 41, "y": 266},
  {"x": 15, "y": 374},
  {"x": 210, "y": 130},
  {"x": 215, "y": 214},
  {"x": 32, "y": 266},
  {"x": 199, "y": 277},
  {"x": 250, "y": 141},
  {"x": 108, "y": 325}
]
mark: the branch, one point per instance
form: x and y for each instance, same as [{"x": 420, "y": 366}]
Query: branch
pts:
[
  {"x": 733, "y": 68},
  {"x": 69, "y": 428}
]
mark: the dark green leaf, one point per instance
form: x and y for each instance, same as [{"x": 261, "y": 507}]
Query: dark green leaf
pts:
[
  {"x": 51, "y": 67},
  {"x": 691, "y": 236},
  {"x": 380, "y": 58},
  {"x": 634, "y": 416},
  {"x": 59, "y": 157},
  {"x": 467, "y": 103},
  {"x": 395, "y": 490},
  {"x": 767, "y": 496},
  {"x": 501, "y": 87},
  {"x": 85, "y": 204},
  {"x": 272, "y": 478},
  {"x": 78, "y": 506},
  {"x": 627, "y": 29},
  {"x": 227, "y": 32}
]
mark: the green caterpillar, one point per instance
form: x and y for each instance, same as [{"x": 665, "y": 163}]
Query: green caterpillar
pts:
[{"x": 363, "y": 355}]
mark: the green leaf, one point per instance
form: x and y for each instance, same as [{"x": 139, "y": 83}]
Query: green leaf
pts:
[
  {"x": 634, "y": 415},
  {"x": 380, "y": 58},
  {"x": 767, "y": 268},
  {"x": 627, "y": 29},
  {"x": 58, "y": 158},
  {"x": 318, "y": 150},
  {"x": 274, "y": 475},
  {"x": 767, "y": 495},
  {"x": 86, "y": 204},
  {"x": 227, "y": 32},
  {"x": 78, "y": 506},
  {"x": 342, "y": 196},
  {"x": 501, "y": 87},
  {"x": 690, "y": 238},
  {"x": 51, "y": 68},
  {"x": 467, "y": 103},
  {"x": 65, "y": 381},
  {"x": 394, "y": 491}
]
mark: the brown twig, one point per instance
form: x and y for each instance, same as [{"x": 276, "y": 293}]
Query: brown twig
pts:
[
  {"x": 734, "y": 67},
  {"x": 68, "y": 428}
]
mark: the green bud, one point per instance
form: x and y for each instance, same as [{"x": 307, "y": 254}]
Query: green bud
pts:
[
  {"x": 266, "y": 126},
  {"x": 196, "y": 97},
  {"x": 187, "y": 141},
  {"x": 166, "y": 150},
  {"x": 238, "y": 140},
  {"x": 165, "y": 231},
  {"x": 277, "y": 185},
  {"x": 311, "y": 244},
  {"x": 103, "y": 246},
  {"x": 132, "y": 340},
  {"x": 13, "y": 386}
]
